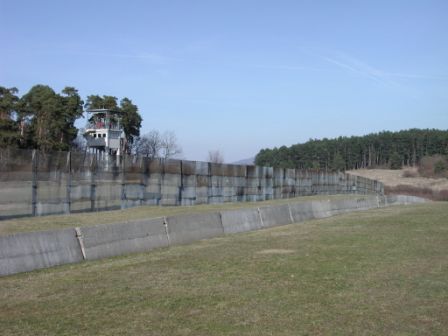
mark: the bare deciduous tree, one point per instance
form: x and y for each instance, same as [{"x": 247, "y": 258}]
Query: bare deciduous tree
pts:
[
  {"x": 169, "y": 146},
  {"x": 149, "y": 145},
  {"x": 215, "y": 156},
  {"x": 155, "y": 145}
]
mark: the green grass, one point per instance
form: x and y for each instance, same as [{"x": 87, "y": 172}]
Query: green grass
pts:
[
  {"x": 378, "y": 272},
  {"x": 117, "y": 216}
]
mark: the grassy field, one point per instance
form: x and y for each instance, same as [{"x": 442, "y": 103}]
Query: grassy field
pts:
[
  {"x": 119, "y": 216},
  {"x": 378, "y": 272}
]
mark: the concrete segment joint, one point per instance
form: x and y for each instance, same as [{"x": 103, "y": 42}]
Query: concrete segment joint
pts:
[
  {"x": 261, "y": 218},
  {"x": 165, "y": 224},
  {"x": 79, "y": 237},
  {"x": 220, "y": 221},
  {"x": 290, "y": 213}
]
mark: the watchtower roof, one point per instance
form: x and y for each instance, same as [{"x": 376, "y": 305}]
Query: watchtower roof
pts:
[{"x": 103, "y": 110}]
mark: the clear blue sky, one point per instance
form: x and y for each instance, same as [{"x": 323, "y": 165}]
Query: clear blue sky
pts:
[{"x": 240, "y": 75}]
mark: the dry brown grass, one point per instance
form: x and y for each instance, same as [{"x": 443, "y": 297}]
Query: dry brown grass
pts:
[{"x": 407, "y": 181}]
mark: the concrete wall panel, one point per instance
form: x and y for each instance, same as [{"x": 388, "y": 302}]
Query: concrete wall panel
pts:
[
  {"x": 342, "y": 206},
  {"x": 24, "y": 252},
  {"x": 321, "y": 209},
  {"x": 185, "y": 229},
  {"x": 240, "y": 220},
  {"x": 301, "y": 211},
  {"x": 275, "y": 215},
  {"x": 202, "y": 168},
  {"x": 102, "y": 241}
]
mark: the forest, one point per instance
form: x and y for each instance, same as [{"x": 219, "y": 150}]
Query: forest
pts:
[
  {"x": 377, "y": 150},
  {"x": 44, "y": 119}
]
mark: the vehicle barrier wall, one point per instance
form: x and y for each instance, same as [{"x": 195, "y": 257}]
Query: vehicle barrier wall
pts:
[
  {"x": 24, "y": 252},
  {"x": 188, "y": 228},
  {"x": 28, "y": 251},
  {"x": 101, "y": 241},
  {"x": 241, "y": 220}
]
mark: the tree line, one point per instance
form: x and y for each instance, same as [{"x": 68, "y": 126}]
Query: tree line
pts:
[
  {"x": 385, "y": 149},
  {"x": 44, "y": 119}
]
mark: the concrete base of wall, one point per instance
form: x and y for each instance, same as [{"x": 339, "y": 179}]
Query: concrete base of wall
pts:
[
  {"x": 276, "y": 215},
  {"x": 188, "y": 228},
  {"x": 241, "y": 220},
  {"x": 28, "y": 251},
  {"x": 24, "y": 252},
  {"x": 102, "y": 241}
]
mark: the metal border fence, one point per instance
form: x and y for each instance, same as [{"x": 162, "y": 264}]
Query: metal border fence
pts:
[{"x": 34, "y": 183}]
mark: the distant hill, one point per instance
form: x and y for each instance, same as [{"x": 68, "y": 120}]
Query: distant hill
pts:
[
  {"x": 383, "y": 150},
  {"x": 247, "y": 162}
]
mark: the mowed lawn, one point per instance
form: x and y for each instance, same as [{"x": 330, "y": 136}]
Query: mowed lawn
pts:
[{"x": 378, "y": 272}]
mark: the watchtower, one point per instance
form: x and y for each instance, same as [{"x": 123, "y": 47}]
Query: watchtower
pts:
[{"x": 104, "y": 131}]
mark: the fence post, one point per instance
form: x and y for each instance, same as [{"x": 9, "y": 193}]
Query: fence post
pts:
[
  {"x": 92, "y": 182},
  {"x": 144, "y": 171},
  {"x": 34, "y": 183},
  {"x": 181, "y": 187},
  {"x": 209, "y": 180},
  {"x": 160, "y": 180},
  {"x": 294, "y": 190},
  {"x": 69, "y": 182},
  {"x": 123, "y": 182},
  {"x": 284, "y": 184}
]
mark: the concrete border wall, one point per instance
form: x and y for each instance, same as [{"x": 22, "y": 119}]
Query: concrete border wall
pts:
[
  {"x": 102, "y": 241},
  {"x": 28, "y": 251},
  {"x": 301, "y": 211},
  {"x": 34, "y": 183},
  {"x": 321, "y": 209},
  {"x": 403, "y": 199},
  {"x": 275, "y": 215},
  {"x": 241, "y": 220},
  {"x": 24, "y": 252},
  {"x": 184, "y": 229}
]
